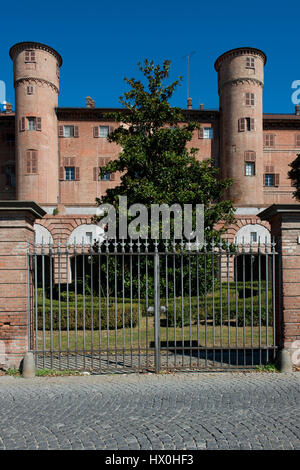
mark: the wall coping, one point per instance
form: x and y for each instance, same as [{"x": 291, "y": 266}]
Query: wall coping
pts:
[
  {"x": 18, "y": 206},
  {"x": 276, "y": 209}
]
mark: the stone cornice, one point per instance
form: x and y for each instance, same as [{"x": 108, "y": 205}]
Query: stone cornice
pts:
[
  {"x": 21, "y": 46},
  {"x": 242, "y": 80},
  {"x": 36, "y": 80},
  {"x": 238, "y": 52}
]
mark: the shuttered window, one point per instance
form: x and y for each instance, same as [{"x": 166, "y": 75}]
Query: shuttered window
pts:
[
  {"x": 297, "y": 140},
  {"x": 249, "y": 169},
  {"x": 249, "y": 99},
  {"x": 269, "y": 140},
  {"x": 68, "y": 131},
  {"x": 31, "y": 162},
  {"x": 246, "y": 124},
  {"x": 271, "y": 179}
]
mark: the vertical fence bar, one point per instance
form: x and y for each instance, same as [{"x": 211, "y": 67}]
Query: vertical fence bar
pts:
[
  {"x": 213, "y": 299},
  {"x": 236, "y": 304},
  {"x": 198, "y": 306},
  {"x": 76, "y": 313},
  {"x": 83, "y": 303},
  {"x": 251, "y": 288},
  {"x": 100, "y": 309},
  {"x": 92, "y": 305},
  {"x": 190, "y": 306},
  {"x": 131, "y": 326},
  {"x": 43, "y": 288},
  {"x": 221, "y": 300},
  {"x": 175, "y": 313},
  {"x": 167, "y": 301},
  {"x": 123, "y": 300},
  {"x": 205, "y": 301},
  {"x": 147, "y": 304},
  {"x": 244, "y": 300},
  {"x": 267, "y": 298},
  {"x": 36, "y": 304},
  {"x": 273, "y": 295},
  {"x": 116, "y": 304},
  {"x": 182, "y": 302},
  {"x": 51, "y": 304},
  {"x": 156, "y": 310},
  {"x": 259, "y": 299},
  {"x": 68, "y": 307},
  {"x": 139, "y": 301},
  {"x": 107, "y": 302},
  {"x": 228, "y": 301},
  {"x": 29, "y": 319},
  {"x": 59, "y": 303}
]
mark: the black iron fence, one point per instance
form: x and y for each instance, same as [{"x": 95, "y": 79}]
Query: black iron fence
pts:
[{"x": 150, "y": 306}]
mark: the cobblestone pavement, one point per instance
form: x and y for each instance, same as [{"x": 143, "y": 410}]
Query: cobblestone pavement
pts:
[{"x": 170, "y": 411}]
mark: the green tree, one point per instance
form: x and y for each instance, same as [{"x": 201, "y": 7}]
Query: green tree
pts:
[
  {"x": 294, "y": 175},
  {"x": 156, "y": 166}
]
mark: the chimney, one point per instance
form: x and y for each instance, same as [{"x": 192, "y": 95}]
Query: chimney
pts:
[
  {"x": 89, "y": 102},
  {"x": 297, "y": 110},
  {"x": 201, "y": 107},
  {"x": 8, "y": 108},
  {"x": 189, "y": 103}
]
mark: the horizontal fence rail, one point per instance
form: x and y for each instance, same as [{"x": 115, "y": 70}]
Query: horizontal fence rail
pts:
[{"x": 128, "y": 306}]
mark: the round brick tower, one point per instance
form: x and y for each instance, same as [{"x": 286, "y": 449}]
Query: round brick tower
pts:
[
  {"x": 240, "y": 86},
  {"x": 36, "y": 81}
]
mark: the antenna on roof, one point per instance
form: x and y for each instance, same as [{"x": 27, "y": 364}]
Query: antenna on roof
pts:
[{"x": 188, "y": 56}]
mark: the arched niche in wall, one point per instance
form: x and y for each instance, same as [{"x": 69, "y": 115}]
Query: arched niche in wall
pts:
[
  {"x": 254, "y": 233},
  {"x": 87, "y": 233},
  {"x": 42, "y": 234}
]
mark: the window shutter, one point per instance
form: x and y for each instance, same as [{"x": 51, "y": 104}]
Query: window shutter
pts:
[
  {"x": 251, "y": 124},
  {"x": 38, "y": 123},
  {"x": 106, "y": 161},
  {"x": 95, "y": 173},
  {"x": 112, "y": 176},
  {"x": 32, "y": 56},
  {"x": 61, "y": 173},
  {"x": 71, "y": 161},
  {"x": 28, "y": 158},
  {"x": 276, "y": 179},
  {"x": 27, "y": 56},
  {"x": 76, "y": 131},
  {"x": 200, "y": 133},
  {"x": 77, "y": 176},
  {"x": 33, "y": 161},
  {"x": 22, "y": 124},
  {"x": 247, "y": 99},
  {"x": 96, "y": 131},
  {"x": 250, "y": 156},
  {"x": 241, "y": 125},
  {"x": 297, "y": 140},
  {"x": 60, "y": 131},
  {"x": 269, "y": 169},
  {"x": 264, "y": 180}
]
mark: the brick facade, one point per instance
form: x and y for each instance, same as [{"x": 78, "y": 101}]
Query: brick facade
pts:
[{"x": 16, "y": 232}]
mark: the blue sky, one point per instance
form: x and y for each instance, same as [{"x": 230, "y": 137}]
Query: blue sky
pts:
[{"x": 101, "y": 42}]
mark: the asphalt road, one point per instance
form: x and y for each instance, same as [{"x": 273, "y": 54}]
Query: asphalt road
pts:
[{"x": 171, "y": 411}]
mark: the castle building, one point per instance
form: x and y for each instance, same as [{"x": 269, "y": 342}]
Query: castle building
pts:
[{"x": 52, "y": 155}]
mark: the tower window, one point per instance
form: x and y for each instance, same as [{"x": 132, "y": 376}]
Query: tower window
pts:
[
  {"x": 297, "y": 138},
  {"x": 29, "y": 56},
  {"x": 249, "y": 169},
  {"x": 29, "y": 90},
  {"x": 34, "y": 123},
  {"x": 31, "y": 161},
  {"x": 31, "y": 123},
  {"x": 269, "y": 140},
  {"x": 250, "y": 62},
  {"x": 249, "y": 99},
  {"x": 106, "y": 177},
  {"x": 250, "y": 156},
  {"x": 246, "y": 124}
]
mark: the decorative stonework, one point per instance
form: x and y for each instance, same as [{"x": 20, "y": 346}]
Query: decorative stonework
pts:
[
  {"x": 243, "y": 80},
  {"x": 238, "y": 52},
  {"x": 21, "y": 46},
  {"x": 35, "y": 80}
]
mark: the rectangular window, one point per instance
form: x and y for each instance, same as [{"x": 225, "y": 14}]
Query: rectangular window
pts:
[
  {"x": 297, "y": 137},
  {"x": 250, "y": 169},
  {"x": 103, "y": 131},
  {"x": 253, "y": 237},
  {"x": 31, "y": 123},
  {"x": 246, "y": 124},
  {"x": 70, "y": 173},
  {"x": 89, "y": 237},
  {"x": 207, "y": 133},
  {"x": 269, "y": 140},
  {"x": 29, "y": 90},
  {"x": 29, "y": 56},
  {"x": 250, "y": 62},
  {"x": 249, "y": 99},
  {"x": 68, "y": 131},
  {"x": 269, "y": 179},
  {"x": 31, "y": 161}
]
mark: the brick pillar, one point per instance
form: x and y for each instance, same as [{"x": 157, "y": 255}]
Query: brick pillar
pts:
[
  {"x": 16, "y": 230},
  {"x": 285, "y": 228}
]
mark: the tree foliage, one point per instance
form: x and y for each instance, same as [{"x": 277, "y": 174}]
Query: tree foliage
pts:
[
  {"x": 155, "y": 164},
  {"x": 294, "y": 175}
]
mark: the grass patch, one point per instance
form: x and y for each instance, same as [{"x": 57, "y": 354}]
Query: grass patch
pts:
[{"x": 267, "y": 368}]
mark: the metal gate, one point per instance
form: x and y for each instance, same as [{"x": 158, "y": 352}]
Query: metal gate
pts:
[{"x": 150, "y": 306}]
